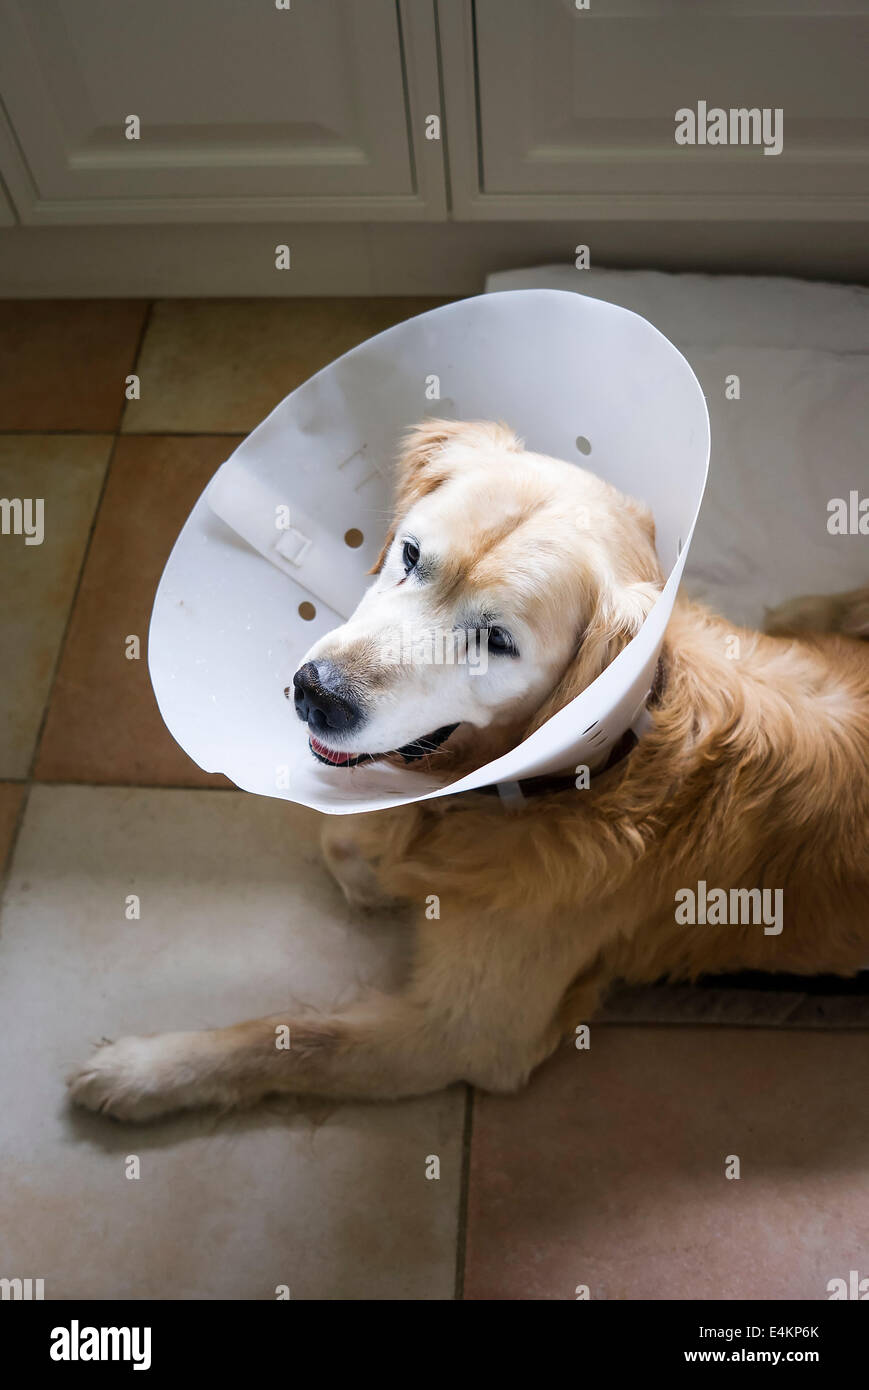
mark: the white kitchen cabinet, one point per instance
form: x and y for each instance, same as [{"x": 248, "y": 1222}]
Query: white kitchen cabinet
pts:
[
  {"x": 247, "y": 112},
  {"x": 549, "y": 114},
  {"x": 572, "y": 110}
]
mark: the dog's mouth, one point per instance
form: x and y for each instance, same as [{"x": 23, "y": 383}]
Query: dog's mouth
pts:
[{"x": 421, "y": 747}]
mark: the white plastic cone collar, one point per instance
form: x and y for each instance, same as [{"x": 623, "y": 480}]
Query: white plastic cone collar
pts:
[{"x": 226, "y": 631}]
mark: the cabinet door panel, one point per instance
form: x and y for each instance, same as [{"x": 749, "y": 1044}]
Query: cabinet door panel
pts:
[
  {"x": 581, "y": 104},
  {"x": 238, "y": 102}
]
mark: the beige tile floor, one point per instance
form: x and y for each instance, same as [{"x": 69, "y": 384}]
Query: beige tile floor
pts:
[
  {"x": 221, "y": 365},
  {"x": 39, "y": 581},
  {"x": 236, "y": 915},
  {"x": 63, "y": 363},
  {"x": 606, "y": 1171},
  {"x": 610, "y": 1170},
  {"x": 103, "y": 724}
]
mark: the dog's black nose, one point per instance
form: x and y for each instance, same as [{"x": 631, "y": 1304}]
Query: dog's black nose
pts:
[{"x": 321, "y": 700}]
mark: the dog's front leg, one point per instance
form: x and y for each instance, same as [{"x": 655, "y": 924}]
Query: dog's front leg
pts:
[
  {"x": 354, "y": 847},
  {"x": 482, "y": 1007}
]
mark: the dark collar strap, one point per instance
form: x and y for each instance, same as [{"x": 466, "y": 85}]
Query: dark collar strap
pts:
[{"x": 566, "y": 781}]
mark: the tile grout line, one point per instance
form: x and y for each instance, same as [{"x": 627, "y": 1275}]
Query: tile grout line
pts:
[
  {"x": 6, "y": 864},
  {"x": 30, "y": 780},
  {"x": 462, "y": 1226},
  {"x": 82, "y": 567},
  {"x": 61, "y": 646},
  {"x": 143, "y": 333}
]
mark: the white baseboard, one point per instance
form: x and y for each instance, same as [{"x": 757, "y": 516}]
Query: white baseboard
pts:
[{"x": 447, "y": 258}]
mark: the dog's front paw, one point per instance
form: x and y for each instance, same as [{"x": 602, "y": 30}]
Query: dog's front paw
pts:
[
  {"x": 133, "y": 1079},
  {"x": 354, "y": 874}
]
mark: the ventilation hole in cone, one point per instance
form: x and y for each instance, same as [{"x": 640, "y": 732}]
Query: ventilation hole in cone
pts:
[
  {"x": 353, "y": 538},
  {"x": 582, "y": 444},
  {"x": 307, "y": 611}
]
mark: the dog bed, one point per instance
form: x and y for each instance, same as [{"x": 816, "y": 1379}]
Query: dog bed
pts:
[
  {"x": 788, "y": 438},
  {"x": 792, "y": 441}
]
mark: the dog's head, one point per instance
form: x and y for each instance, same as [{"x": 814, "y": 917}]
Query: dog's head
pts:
[{"x": 506, "y": 584}]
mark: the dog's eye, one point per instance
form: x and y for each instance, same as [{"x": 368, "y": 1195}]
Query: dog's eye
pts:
[
  {"x": 500, "y": 642},
  {"x": 410, "y": 555}
]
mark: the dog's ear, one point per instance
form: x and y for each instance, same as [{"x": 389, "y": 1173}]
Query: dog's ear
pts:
[
  {"x": 620, "y": 613},
  {"x": 422, "y": 466},
  {"x": 384, "y": 551}
]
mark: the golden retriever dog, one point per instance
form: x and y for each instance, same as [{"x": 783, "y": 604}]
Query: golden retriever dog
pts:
[{"x": 749, "y": 789}]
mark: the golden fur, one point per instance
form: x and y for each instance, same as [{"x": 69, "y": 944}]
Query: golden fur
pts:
[{"x": 753, "y": 774}]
